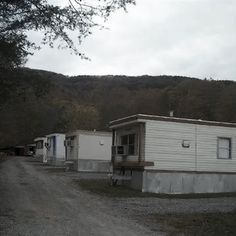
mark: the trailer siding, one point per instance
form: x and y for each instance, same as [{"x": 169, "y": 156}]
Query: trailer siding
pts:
[
  {"x": 60, "y": 148},
  {"x": 56, "y": 150},
  {"x": 163, "y": 145},
  {"x": 42, "y": 152},
  {"x": 207, "y": 149},
  {"x": 95, "y": 147}
]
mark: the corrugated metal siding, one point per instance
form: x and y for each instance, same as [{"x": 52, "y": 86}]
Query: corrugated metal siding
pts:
[{"x": 163, "y": 146}]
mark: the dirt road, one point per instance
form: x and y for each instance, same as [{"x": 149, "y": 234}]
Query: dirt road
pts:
[{"x": 35, "y": 202}]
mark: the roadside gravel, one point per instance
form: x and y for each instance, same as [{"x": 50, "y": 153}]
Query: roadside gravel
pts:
[
  {"x": 142, "y": 209},
  {"x": 37, "y": 199}
]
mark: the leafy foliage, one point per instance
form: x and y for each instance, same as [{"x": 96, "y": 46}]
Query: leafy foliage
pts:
[
  {"x": 56, "y": 22},
  {"x": 35, "y": 103}
]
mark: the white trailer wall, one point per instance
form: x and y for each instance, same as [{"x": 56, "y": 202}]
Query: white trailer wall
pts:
[
  {"x": 42, "y": 151},
  {"x": 56, "y": 151},
  {"x": 163, "y": 145},
  {"x": 95, "y": 147},
  {"x": 94, "y": 151},
  {"x": 207, "y": 149},
  {"x": 91, "y": 151},
  {"x": 60, "y": 148},
  {"x": 193, "y": 169}
]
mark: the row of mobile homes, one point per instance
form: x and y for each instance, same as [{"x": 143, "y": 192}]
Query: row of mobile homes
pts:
[
  {"x": 89, "y": 150},
  {"x": 79, "y": 150},
  {"x": 174, "y": 155},
  {"x": 55, "y": 152},
  {"x": 40, "y": 150},
  {"x": 30, "y": 149},
  {"x": 25, "y": 150}
]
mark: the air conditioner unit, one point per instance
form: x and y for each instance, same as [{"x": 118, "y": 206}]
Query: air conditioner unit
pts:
[{"x": 120, "y": 150}]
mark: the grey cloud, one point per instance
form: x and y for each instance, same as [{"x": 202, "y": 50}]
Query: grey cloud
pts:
[{"x": 189, "y": 37}]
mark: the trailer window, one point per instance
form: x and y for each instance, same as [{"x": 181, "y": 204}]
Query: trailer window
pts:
[
  {"x": 124, "y": 140},
  {"x": 129, "y": 140},
  {"x": 39, "y": 144},
  {"x": 224, "y": 148}
]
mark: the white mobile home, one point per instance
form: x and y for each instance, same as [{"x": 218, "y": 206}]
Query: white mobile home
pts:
[
  {"x": 89, "y": 150},
  {"x": 40, "y": 150},
  {"x": 174, "y": 155},
  {"x": 55, "y": 149}
]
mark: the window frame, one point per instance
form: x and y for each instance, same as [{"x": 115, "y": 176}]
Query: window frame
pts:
[
  {"x": 128, "y": 144},
  {"x": 39, "y": 144},
  {"x": 229, "y": 139}
]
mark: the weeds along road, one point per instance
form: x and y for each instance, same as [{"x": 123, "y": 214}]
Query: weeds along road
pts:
[{"x": 36, "y": 202}]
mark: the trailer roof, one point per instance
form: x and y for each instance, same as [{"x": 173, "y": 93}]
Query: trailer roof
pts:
[
  {"x": 89, "y": 132},
  {"x": 143, "y": 117},
  {"x": 39, "y": 139},
  {"x": 54, "y": 134}
]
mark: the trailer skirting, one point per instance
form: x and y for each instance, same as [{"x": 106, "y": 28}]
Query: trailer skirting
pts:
[
  {"x": 94, "y": 166},
  {"x": 187, "y": 182}
]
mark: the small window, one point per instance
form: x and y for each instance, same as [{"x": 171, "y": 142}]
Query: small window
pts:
[
  {"x": 129, "y": 140},
  {"x": 39, "y": 145},
  {"x": 224, "y": 148}
]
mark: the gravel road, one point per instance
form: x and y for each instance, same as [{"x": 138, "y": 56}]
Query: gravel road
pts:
[
  {"x": 36, "y": 202},
  {"x": 41, "y": 200}
]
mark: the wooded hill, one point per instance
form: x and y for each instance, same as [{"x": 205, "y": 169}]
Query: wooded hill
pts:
[{"x": 35, "y": 103}]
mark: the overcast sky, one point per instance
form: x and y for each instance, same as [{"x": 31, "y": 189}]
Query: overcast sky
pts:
[{"x": 175, "y": 37}]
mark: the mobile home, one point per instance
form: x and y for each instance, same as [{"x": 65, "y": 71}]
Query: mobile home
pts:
[
  {"x": 20, "y": 150},
  {"x": 55, "y": 149},
  {"x": 89, "y": 150},
  {"x": 41, "y": 151},
  {"x": 30, "y": 149},
  {"x": 174, "y": 155}
]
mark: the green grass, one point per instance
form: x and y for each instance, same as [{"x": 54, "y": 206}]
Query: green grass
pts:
[
  {"x": 104, "y": 188},
  {"x": 204, "y": 224}
]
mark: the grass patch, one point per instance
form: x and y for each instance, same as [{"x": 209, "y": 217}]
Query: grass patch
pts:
[
  {"x": 204, "y": 224},
  {"x": 104, "y": 188}
]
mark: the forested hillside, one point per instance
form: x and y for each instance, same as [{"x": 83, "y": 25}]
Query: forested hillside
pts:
[{"x": 34, "y": 102}]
